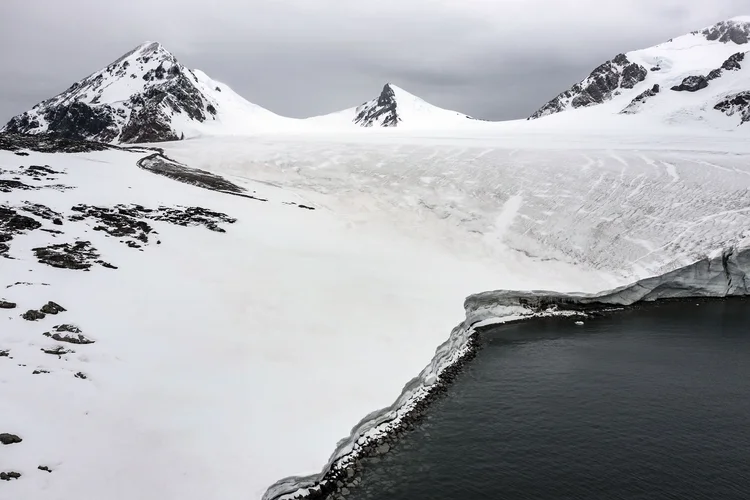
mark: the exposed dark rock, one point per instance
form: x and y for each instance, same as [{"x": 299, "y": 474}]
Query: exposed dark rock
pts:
[
  {"x": 733, "y": 62},
  {"x": 41, "y": 211},
  {"x": 600, "y": 86},
  {"x": 128, "y": 221},
  {"x": 10, "y": 185},
  {"x": 632, "y": 74},
  {"x": 738, "y": 103},
  {"x": 76, "y": 121},
  {"x": 4, "y": 354},
  {"x": 41, "y": 171},
  {"x": 146, "y": 115},
  {"x": 160, "y": 164},
  {"x": 4, "y": 304},
  {"x": 119, "y": 222},
  {"x": 52, "y": 308},
  {"x": 7, "y": 476},
  {"x": 381, "y": 111},
  {"x": 79, "y": 255},
  {"x": 81, "y": 375},
  {"x": 6, "y": 438},
  {"x": 45, "y": 143},
  {"x": 12, "y": 223},
  {"x": 32, "y": 315},
  {"x": 76, "y": 338},
  {"x": 636, "y": 103},
  {"x": 44, "y": 468},
  {"x": 39, "y": 372},
  {"x": 727, "y": 31},
  {"x": 692, "y": 84},
  {"x": 59, "y": 351}
]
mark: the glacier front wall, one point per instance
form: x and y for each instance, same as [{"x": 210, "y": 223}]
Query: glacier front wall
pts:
[{"x": 723, "y": 274}]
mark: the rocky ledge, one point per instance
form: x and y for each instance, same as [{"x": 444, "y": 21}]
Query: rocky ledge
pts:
[{"x": 723, "y": 274}]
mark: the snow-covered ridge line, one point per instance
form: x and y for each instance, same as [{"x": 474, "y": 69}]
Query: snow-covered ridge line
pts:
[{"x": 725, "y": 273}]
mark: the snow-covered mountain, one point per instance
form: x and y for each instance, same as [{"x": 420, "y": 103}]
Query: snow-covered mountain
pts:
[
  {"x": 144, "y": 96},
  {"x": 394, "y": 107},
  {"x": 701, "y": 76}
]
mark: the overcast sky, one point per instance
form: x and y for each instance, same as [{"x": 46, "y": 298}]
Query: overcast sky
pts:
[{"x": 494, "y": 59}]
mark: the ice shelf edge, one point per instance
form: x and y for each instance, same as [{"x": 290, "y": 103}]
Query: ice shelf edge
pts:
[{"x": 725, "y": 273}]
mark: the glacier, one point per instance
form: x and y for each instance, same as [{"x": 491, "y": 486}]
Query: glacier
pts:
[{"x": 256, "y": 289}]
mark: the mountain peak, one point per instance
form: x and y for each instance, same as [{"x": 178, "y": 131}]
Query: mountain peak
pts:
[
  {"x": 146, "y": 95},
  {"x": 735, "y": 29}
]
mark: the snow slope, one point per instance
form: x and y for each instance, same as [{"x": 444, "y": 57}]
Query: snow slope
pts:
[
  {"x": 394, "y": 107},
  {"x": 607, "y": 91},
  {"x": 145, "y": 96},
  {"x": 225, "y": 362}
]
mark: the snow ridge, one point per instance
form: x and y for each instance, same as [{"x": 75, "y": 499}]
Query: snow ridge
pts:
[
  {"x": 146, "y": 95},
  {"x": 680, "y": 67}
]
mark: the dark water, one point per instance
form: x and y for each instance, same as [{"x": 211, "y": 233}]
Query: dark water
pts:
[{"x": 647, "y": 404}]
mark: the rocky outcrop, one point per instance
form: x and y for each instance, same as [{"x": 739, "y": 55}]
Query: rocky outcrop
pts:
[
  {"x": 636, "y": 104},
  {"x": 734, "y": 31},
  {"x": 698, "y": 82},
  {"x": 692, "y": 84},
  {"x": 736, "y": 104},
  {"x": 381, "y": 111},
  {"x": 724, "y": 274},
  {"x": 600, "y": 86}
]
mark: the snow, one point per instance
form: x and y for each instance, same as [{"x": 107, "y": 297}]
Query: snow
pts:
[
  {"x": 414, "y": 113},
  {"x": 225, "y": 362}
]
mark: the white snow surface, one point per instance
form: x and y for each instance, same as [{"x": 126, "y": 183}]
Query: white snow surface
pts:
[
  {"x": 414, "y": 113},
  {"x": 226, "y": 362},
  {"x": 688, "y": 55}
]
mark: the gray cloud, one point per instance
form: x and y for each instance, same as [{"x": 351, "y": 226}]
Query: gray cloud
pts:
[{"x": 494, "y": 59}]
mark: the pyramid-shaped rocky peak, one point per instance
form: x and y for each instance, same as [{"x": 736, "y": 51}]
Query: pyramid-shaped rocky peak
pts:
[
  {"x": 133, "y": 99},
  {"x": 379, "y": 112}
]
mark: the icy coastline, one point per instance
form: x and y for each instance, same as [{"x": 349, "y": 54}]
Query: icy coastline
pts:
[{"x": 724, "y": 273}]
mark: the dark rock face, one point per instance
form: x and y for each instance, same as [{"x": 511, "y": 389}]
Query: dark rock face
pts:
[
  {"x": 600, "y": 86},
  {"x": 45, "y": 143},
  {"x": 7, "y": 439},
  {"x": 42, "y": 211},
  {"x": 76, "y": 121},
  {"x": 59, "y": 351},
  {"x": 80, "y": 255},
  {"x": 736, "y": 104},
  {"x": 696, "y": 83},
  {"x": 380, "y": 111},
  {"x": 731, "y": 64},
  {"x": 129, "y": 221},
  {"x": 44, "y": 468},
  {"x": 79, "y": 113},
  {"x": 692, "y": 84},
  {"x": 12, "y": 223},
  {"x": 32, "y": 315},
  {"x": 7, "y": 476},
  {"x": 7, "y": 305},
  {"x": 636, "y": 103},
  {"x": 60, "y": 333},
  {"x": 161, "y": 165},
  {"x": 727, "y": 31},
  {"x": 52, "y": 308}
]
